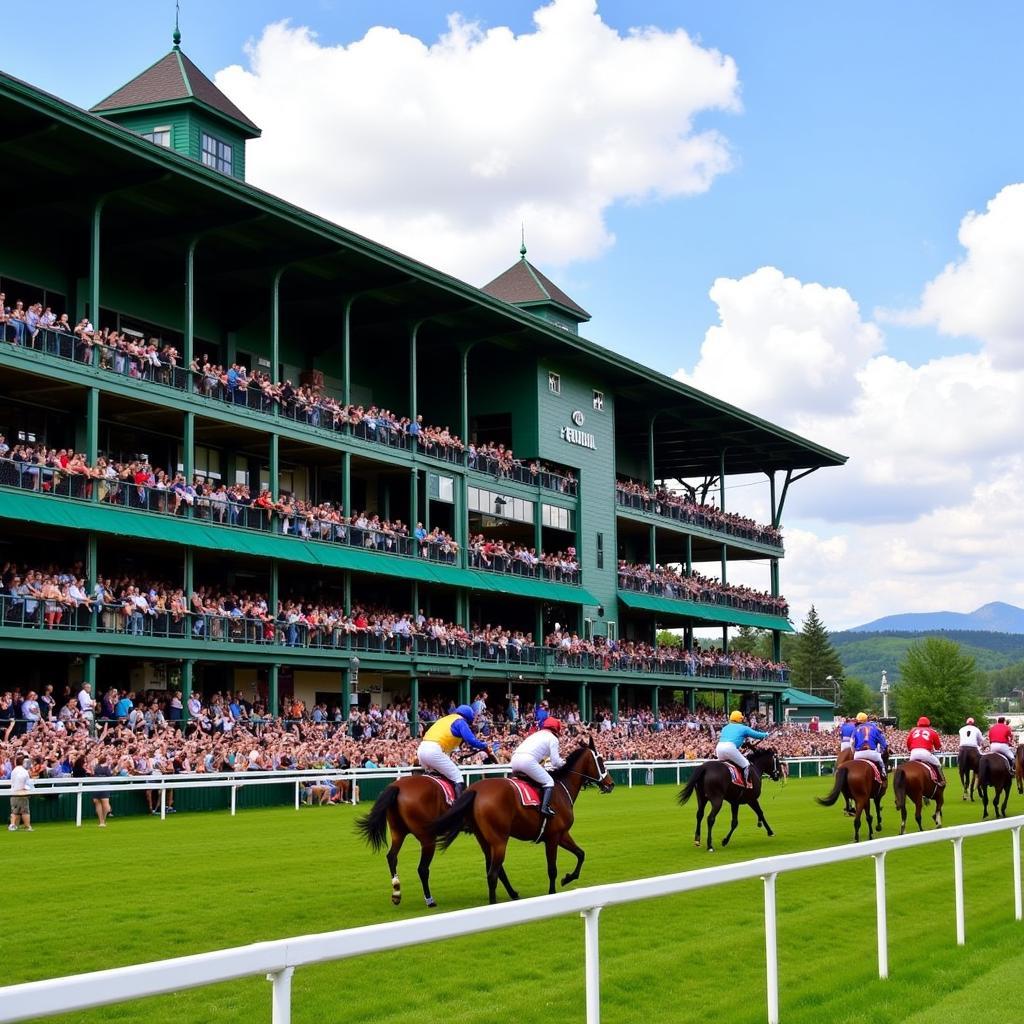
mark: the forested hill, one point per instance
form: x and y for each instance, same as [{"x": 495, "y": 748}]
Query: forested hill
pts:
[{"x": 864, "y": 655}]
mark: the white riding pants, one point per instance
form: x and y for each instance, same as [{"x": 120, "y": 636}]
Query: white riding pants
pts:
[
  {"x": 870, "y": 755},
  {"x": 730, "y": 752},
  {"x": 917, "y": 754},
  {"x": 433, "y": 758},
  {"x": 846, "y": 744},
  {"x": 1002, "y": 748},
  {"x": 532, "y": 769}
]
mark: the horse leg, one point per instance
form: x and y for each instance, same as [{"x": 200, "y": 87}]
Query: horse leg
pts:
[
  {"x": 496, "y": 871},
  {"x": 732, "y": 826},
  {"x": 701, "y": 802},
  {"x": 878, "y": 812},
  {"x": 426, "y": 856},
  {"x": 937, "y": 816},
  {"x": 917, "y": 815},
  {"x": 488, "y": 856},
  {"x": 551, "y": 849},
  {"x": 568, "y": 843},
  {"x": 755, "y": 806},
  {"x": 397, "y": 838},
  {"x": 1006, "y": 798},
  {"x": 716, "y": 806}
]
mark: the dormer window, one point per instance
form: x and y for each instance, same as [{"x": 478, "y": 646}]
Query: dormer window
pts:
[
  {"x": 161, "y": 136},
  {"x": 216, "y": 154}
]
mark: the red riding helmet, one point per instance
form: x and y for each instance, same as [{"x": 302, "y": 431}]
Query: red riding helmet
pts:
[
  {"x": 554, "y": 724},
  {"x": 923, "y": 721}
]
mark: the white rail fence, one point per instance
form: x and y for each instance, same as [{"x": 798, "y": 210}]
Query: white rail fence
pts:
[
  {"x": 83, "y": 789},
  {"x": 279, "y": 959}
]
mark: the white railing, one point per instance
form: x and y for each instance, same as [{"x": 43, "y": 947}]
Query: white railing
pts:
[
  {"x": 278, "y": 959},
  {"x": 82, "y": 789}
]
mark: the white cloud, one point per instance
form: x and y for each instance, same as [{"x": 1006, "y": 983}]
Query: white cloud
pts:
[
  {"x": 979, "y": 295},
  {"x": 443, "y": 150}
]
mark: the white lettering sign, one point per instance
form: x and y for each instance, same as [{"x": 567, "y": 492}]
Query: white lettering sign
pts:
[{"x": 578, "y": 437}]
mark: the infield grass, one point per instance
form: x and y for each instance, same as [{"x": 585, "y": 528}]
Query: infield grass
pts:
[{"x": 141, "y": 889}]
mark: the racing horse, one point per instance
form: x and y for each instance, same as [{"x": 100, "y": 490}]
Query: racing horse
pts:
[
  {"x": 407, "y": 806},
  {"x": 856, "y": 781},
  {"x": 913, "y": 781},
  {"x": 492, "y": 810},
  {"x": 1019, "y": 768},
  {"x": 712, "y": 782},
  {"x": 994, "y": 770},
  {"x": 967, "y": 765}
]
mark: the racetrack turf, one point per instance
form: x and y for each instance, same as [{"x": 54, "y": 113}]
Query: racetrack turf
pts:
[{"x": 141, "y": 889}]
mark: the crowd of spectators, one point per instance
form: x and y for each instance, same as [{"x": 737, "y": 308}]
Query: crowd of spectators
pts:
[
  {"x": 692, "y": 586},
  {"x": 683, "y": 508},
  {"x": 500, "y": 461},
  {"x": 521, "y": 560}
]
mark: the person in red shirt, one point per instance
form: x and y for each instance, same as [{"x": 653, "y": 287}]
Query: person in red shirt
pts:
[
  {"x": 921, "y": 742},
  {"x": 1000, "y": 740}
]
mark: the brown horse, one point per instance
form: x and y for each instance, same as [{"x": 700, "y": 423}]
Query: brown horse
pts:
[
  {"x": 856, "y": 781},
  {"x": 994, "y": 770},
  {"x": 844, "y": 756},
  {"x": 1019, "y": 768},
  {"x": 913, "y": 780},
  {"x": 713, "y": 785},
  {"x": 492, "y": 810},
  {"x": 967, "y": 759},
  {"x": 407, "y": 805}
]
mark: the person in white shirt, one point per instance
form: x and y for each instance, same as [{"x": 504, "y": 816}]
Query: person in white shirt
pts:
[
  {"x": 971, "y": 736},
  {"x": 537, "y": 747},
  {"x": 21, "y": 783},
  {"x": 85, "y": 702}
]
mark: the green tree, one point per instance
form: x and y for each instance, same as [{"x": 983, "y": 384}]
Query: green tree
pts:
[
  {"x": 666, "y": 638},
  {"x": 939, "y": 679},
  {"x": 855, "y": 695},
  {"x": 749, "y": 640},
  {"x": 814, "y": 658}
]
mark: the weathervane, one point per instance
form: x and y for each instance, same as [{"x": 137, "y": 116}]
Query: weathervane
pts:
[{"x": 177, "y": 31}]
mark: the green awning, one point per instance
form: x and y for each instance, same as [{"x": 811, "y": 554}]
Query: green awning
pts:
[
  {"x": 30, "y": 507},
  {"x": 801, "y": 699},
  {"x": 698, "y": 614}
]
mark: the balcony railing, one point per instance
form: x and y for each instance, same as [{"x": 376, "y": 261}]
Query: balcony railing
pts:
[
  {"x": 705, "y": 595},
  {"x": 383, "y": 432},
  {"x": 521, "y": 473},
  {"x": 44, "y": 616},
  {"x": 693, "y": 515},
  {"x": 510, "y": 565}
]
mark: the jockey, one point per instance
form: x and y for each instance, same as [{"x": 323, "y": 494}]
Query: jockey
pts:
[
  {"x": 1000, "y": 740},
  {"x": 921, "y": 741},
  {"x": 970, "y": 736},
  {"x": 870, "y": 743},
  {"x": 540, "y": 745},
  {"x": 847, "y": 732},
  {"x": 443, "y": 738},
  {"x": 731, "y": 738}
]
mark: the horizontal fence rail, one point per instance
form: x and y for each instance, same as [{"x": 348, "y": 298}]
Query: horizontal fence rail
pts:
[{"x": 279, "y": 959}]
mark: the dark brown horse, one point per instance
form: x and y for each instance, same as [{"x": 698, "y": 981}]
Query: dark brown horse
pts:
[
  {"x": 492, "y": 810},
  {"x": 1019, "y": 768},
  {"x": 713, "y": 785},
  {"x": 967, "y": 759},
  {"x": 994, "y": 770},
  {"x": 407, "y": 805},
  {"x": 912, "y": 781},
  {"x": 855, "y": 780},
  {"x": 844, "y": 756}
]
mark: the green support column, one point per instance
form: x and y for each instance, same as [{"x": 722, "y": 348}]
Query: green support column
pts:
[
  {"x": 91, "y": 563},
  {"x": 346, "y": 351},
  {"x": 689, "y": 554},
  {"x": 725, "y": 563},
  {"x": 581, "y": 700},
  {"x": 538, "y": 635},
  {"x": 275, "y": 467},
  {"x": 186, "y": 686},
  {"x": 725, "y": 639},
  {"x": 346, "y": 582},
  {"x": 776, "y": 645},
  {"x": 777, "y": 713},
  {"x": 650, "y": 451},
  {"x": 413, "y": 396},
  {"x": 654, "y": 703},
  {"x": 464, "y": 393},
  {"x": 275, "y": 325},
  {"x": 92, "y": 426},
  {"x": 188, "y": 340},
  {"x": 346, "y": 693},
  {"x": 652, "y": 541},
  {"x": 464, "y": 695},
  {"x": 538, "y": 693},
  {"x": 273, "y": 696},
  {"x": 691, "y": 701},
  {"x": 274, "y": 590},
  {"x": 414, "y": 499},
  {"x": 346, "y": 484},
  {"x": 415, "y": 598},
  {"x": 94, "y": 264},
  {"x": 775, "y": 577},
  {"x": 188, "y": 447},
  {"x": 615, "y": 703},
  {"x": 721, "y": 480},
  {"x": 414, "y": 705},
  {"x": 728, "y": 701},
  {"x": 188, "y": 583}
]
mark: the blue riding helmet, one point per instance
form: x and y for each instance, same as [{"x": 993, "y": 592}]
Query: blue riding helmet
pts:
[{"x": 466, "y": 711}]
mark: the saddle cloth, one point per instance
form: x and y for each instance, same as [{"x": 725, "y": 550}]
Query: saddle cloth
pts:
[
  {"x": 737, "y": 776},
  {"x": 874, "y": 768},
  {"x": 931, "y": 772},
  {"x": 447, "y": 788},
  {"x": 527, "y": 791}
]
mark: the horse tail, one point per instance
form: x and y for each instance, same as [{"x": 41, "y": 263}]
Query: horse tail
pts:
[
  {"x": 837, "y": 788},
  {"x": 687, "y": 791},
  {"x": 984, "y": 773},
  {"x": 453, "y": 821},
  {"x": 373, "y": 826},
  {"x": 899, "y": 788}
]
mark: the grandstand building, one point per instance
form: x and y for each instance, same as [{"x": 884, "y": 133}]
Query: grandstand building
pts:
[{"x": 268, "y": 406}]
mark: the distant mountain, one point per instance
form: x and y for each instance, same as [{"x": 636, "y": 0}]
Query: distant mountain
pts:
[{"x": 996, "y": 617}]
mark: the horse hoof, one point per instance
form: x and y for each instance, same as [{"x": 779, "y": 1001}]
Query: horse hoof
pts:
[
  {"x": 696, "y": 843},
  {"x": 711, "y": 849},
  {"x": 770, "y": 833},
  {"x": 396, "y": 898},
  {"x": 567, "y": 879},
  {"x": 431, "y": 902},
  {"x": 513, "y": 896}
]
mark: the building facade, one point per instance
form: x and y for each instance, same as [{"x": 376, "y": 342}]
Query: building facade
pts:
[{"x": 268, "y": 406}]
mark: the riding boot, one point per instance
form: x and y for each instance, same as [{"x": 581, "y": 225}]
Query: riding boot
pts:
[
  {"x": 459, "y": 788},
  {"x": 746, "y": 776},
  {"x": 545, "y": 802},
  {"x": 942, "y": 777}
]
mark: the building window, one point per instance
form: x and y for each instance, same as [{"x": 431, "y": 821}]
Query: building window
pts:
[
  {"x": 613, "y": 631},
  {"x": 441, "y": 488},
  {"x": 557, "y": 518},
  {"x": 161, "y": 136},
  {"x": 599, "y": 401},
  {"x": 500, "y": 506},
  {"x": 600, "y": 551},
  {"x": 216, "y": 154},
  {"x": 588, "y": 629},
  {"x": 554, "y": 383}
]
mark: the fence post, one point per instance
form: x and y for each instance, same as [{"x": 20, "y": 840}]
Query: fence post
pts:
[
  {"x": 629, "y": 772},
  {"x": 281, "y": 995},
  {"x": 771, "y": 951},
  {"x": 78, "y": 808},
  {"x": 1015, "y": 836},
  {"x": 958, "y": 882},
  {"x": 163, "y": 800},
  {"x": 883, "y": 930},
  {"x": 297, "y": 795},
  {"x": 593, "y": 964},
  {"x": 677, "y": 775}
]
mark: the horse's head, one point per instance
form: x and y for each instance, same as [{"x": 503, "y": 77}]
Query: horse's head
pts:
[
  {"x": 594, "y": 762},
  {"x": 768, "y": 763}
]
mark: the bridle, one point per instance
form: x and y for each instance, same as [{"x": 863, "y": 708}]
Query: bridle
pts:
[{"x": 599, "y": 781}]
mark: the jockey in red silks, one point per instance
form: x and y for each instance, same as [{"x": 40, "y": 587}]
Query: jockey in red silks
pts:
[{"x": 921, "y": 742}]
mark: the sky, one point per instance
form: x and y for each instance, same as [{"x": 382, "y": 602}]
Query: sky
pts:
[{"x": 815, "y": 211}]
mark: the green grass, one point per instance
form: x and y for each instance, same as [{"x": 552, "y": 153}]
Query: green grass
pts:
[{"x": 86, "y": 899}]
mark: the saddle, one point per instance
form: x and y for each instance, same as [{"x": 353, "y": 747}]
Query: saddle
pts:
[
  {"x": 933, "y": 773},
  {"x": 529, "y": 794},
  {"x": 875, "y": 769},
  {"x": 736, "y": 776},
  {"x": 447, "y": 787}
]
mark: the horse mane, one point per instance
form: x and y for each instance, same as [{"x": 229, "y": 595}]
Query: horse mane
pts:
[{"x": 571, "y": 763}]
